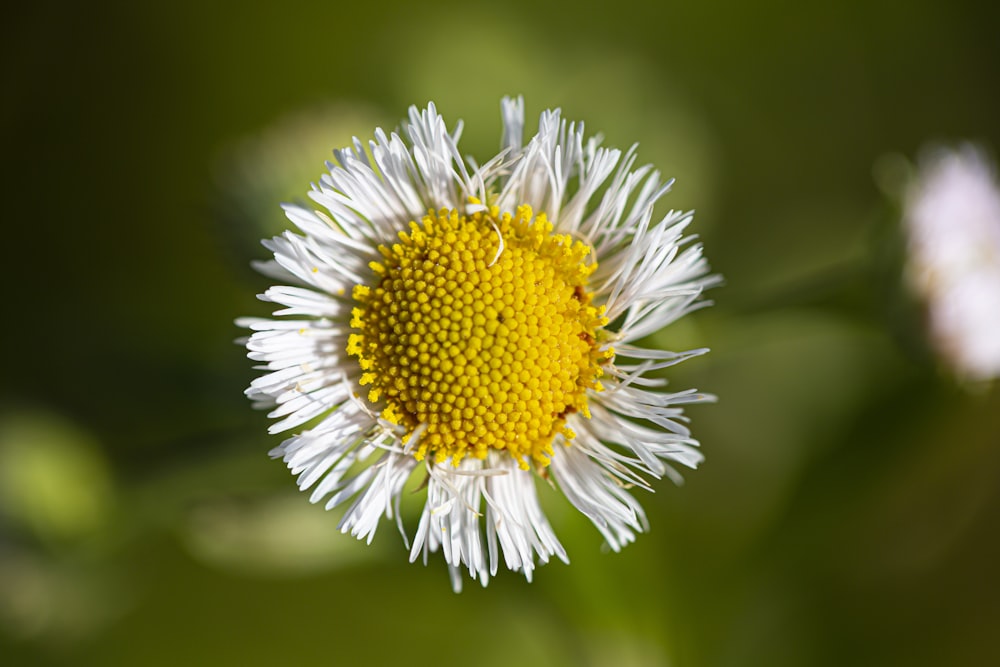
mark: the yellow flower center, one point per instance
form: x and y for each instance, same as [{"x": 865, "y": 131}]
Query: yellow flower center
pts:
[{"x": 480, "y": 333}]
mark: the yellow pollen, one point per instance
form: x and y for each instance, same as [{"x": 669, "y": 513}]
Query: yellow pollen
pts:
[{"x": 481, "y": 328}]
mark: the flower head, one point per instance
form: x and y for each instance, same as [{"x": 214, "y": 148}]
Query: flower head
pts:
[
  {"x": 952, "y": 219},
  {"x": 475, "y": 326}
]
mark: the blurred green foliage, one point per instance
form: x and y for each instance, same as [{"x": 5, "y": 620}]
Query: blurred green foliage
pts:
[{"x": 846, "y": 510}]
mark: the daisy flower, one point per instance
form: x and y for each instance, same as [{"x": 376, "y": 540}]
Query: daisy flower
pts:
[
  {"x": 952, "y": 220},
  {"x": 473, "y": 328}
]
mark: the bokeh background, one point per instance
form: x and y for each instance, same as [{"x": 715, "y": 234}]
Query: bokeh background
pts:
[{"x": 847, "y": 510}]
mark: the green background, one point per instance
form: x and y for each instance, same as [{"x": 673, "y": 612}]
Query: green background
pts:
[{"x": 847, "y": 509}]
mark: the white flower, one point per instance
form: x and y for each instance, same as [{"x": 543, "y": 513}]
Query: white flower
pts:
[
  {"x": 952, "y": 217},
  {"x": 476, "y": 325}
]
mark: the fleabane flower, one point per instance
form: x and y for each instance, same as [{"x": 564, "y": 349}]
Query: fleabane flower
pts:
[
  {"x": 952, "y": 220},
  {"x": 474, "y": 327}
]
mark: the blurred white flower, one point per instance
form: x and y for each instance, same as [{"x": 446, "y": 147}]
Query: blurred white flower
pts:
[
  {"x": 477, "y": 324},
  {"x": 952, "y": 218}
]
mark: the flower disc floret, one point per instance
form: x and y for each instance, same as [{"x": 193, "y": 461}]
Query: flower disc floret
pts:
[{"x": 479, "y": 334}]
